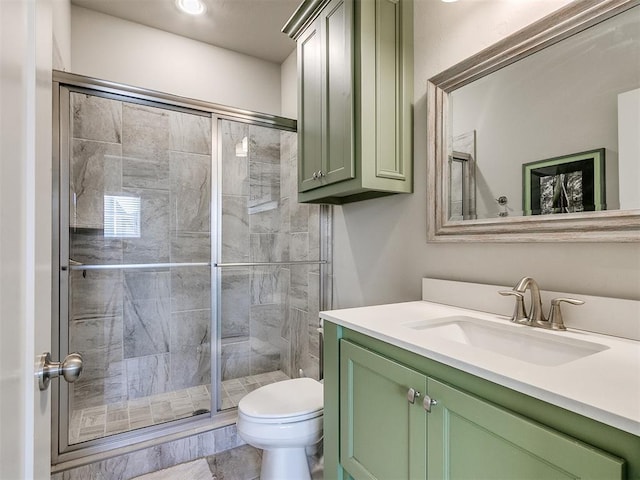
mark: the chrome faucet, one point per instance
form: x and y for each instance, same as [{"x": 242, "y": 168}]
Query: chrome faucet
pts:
[{"x": 535, "y": 317}]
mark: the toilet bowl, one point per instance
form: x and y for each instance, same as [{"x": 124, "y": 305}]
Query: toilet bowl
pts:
[{"x": 283, "y": 419}]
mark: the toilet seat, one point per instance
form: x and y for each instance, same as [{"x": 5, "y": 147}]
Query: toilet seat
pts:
[{"x": 288, "y": 401}]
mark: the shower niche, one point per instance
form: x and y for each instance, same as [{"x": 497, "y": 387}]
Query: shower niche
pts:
[{"x": 188, "y": 273}]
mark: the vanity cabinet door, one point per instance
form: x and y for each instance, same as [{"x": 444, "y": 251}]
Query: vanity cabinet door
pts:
[
  {"x": 382, "y": 434},
  {"x": 470, "y": 438}
]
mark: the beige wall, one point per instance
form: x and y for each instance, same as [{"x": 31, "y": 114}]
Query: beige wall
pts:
[
  {"x": 289, "y": 86},
  {"x": 61, "y": 17},
  {"x": 109, "y": 48},
  {"x": 380, "y": 250}
]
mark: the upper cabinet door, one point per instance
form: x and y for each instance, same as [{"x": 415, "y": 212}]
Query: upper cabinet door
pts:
[
  {"x": 325, "y": 103},
  {"x": 310, "y": 102},
  {"x": 339, "y": 161},
  {"x": 471, "y": 438},
  {"x": 355, "y": 62}
]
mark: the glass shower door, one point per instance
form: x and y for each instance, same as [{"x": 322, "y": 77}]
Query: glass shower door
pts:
[
  {"x": 135, "y": 242},
  {"x": 268, "y": 275}
]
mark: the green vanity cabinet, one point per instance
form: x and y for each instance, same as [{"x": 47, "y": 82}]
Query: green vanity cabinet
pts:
[
  {"x": 383, "y": 435},
  {"x": 355, "y": 85},
  {"x": 475, "y": 429},
  {"x": 471, "y": 438}
]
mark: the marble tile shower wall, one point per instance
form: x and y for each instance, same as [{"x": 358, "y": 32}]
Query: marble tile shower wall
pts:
[
  {"x": 142, "y": 332},
  {"x": 269, "y": 314}
]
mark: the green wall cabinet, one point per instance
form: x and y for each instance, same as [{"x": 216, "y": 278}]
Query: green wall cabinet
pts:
[
  {"x": 474, "y": 430},
  {"x": 355, "y": 85}
]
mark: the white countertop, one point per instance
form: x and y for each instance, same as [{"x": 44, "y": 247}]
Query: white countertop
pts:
[{"x": 604, "y": 386}]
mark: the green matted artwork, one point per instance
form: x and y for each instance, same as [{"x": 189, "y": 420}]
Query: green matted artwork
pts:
[{"x": 568, "y": 184}]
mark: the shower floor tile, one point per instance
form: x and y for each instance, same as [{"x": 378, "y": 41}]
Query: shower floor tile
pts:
[
  {"x": 234, "y": 389},
  {"x": 97, "y": 422}
]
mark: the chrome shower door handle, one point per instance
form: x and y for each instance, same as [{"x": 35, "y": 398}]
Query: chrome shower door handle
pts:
[{"x": 70, "y": 369}]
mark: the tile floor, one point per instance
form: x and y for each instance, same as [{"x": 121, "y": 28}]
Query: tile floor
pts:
[
  {"x": 240, "y": 463},
  {"x": 105, "y": 420}
]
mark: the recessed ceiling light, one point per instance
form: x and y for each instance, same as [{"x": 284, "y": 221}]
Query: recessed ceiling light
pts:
[
  {"x": 192, "y": 7},
  {"x": 449, "y": 1}
]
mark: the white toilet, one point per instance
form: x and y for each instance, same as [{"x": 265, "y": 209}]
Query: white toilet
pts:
[{"x": 283, "y": 419}]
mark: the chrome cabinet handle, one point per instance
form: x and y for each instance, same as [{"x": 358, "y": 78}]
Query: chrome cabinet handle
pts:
[
  {"x": 412, "y": 394},
  {"x": 70, "y": 369},
  {"x": 428, "y": 402}
]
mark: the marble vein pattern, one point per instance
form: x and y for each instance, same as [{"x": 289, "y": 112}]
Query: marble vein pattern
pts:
[
  {"x": 148, "y": 375},
  {"x": 264, "y": 186},
  {"x": 190, "y": 133},
  {"x": 153, "y": 244},
  {"x": 190, "y": 288},
  {"x": 190, "y": 247},
  {"x": 190, "y": 192},
  {"x": 91, "y": 247},
  {"x": 190, "y": 348},
  {"x": 235, "y": 302},
  {"x": 235, "y": 229},
  {"x": 235, "y": 163},
  {"x": 96, "y": 118},
  {"x": 235, "y": 358},
  {"x": 264, "y": 144},
  {"x": 95, "y": 170},
  {"x": 265, "y": 337},
  {"x": 147, "y": 312},
  {"x": 145, "y": 147}
]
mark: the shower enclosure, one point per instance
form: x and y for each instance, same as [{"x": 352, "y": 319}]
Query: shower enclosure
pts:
[{"x": 188, "y": 273}]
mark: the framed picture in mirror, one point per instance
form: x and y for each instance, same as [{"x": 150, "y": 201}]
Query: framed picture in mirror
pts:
[{"x": 567, "y": 184}]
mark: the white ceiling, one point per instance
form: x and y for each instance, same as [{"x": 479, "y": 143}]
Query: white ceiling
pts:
[{"x": 251, "y": 27}]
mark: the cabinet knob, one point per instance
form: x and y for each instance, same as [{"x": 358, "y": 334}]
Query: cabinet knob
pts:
[
  {"x": 412, "y": 394},
  {"x": 428, "y": 402}
]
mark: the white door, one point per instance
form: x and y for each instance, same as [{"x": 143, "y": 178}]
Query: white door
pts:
[{"x": 25, "y": 235}]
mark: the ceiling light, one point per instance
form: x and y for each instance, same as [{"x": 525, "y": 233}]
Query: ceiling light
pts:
[
  {"x": 192, "y": 7},
  {"x": 449, "y": 1}
]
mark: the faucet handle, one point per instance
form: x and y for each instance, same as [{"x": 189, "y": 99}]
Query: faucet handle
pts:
[
  {"x": 555, "y": 315},
  {"x": 519, "y": 315}
]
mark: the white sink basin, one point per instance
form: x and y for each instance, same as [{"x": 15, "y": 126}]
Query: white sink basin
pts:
[{"x": 523, "y": 343}]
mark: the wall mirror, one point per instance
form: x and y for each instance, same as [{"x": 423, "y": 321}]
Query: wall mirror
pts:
[{"x": 537, "y": 138}]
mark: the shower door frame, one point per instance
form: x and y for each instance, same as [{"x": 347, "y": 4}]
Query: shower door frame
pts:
[{"x": 122, "y": 443}]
